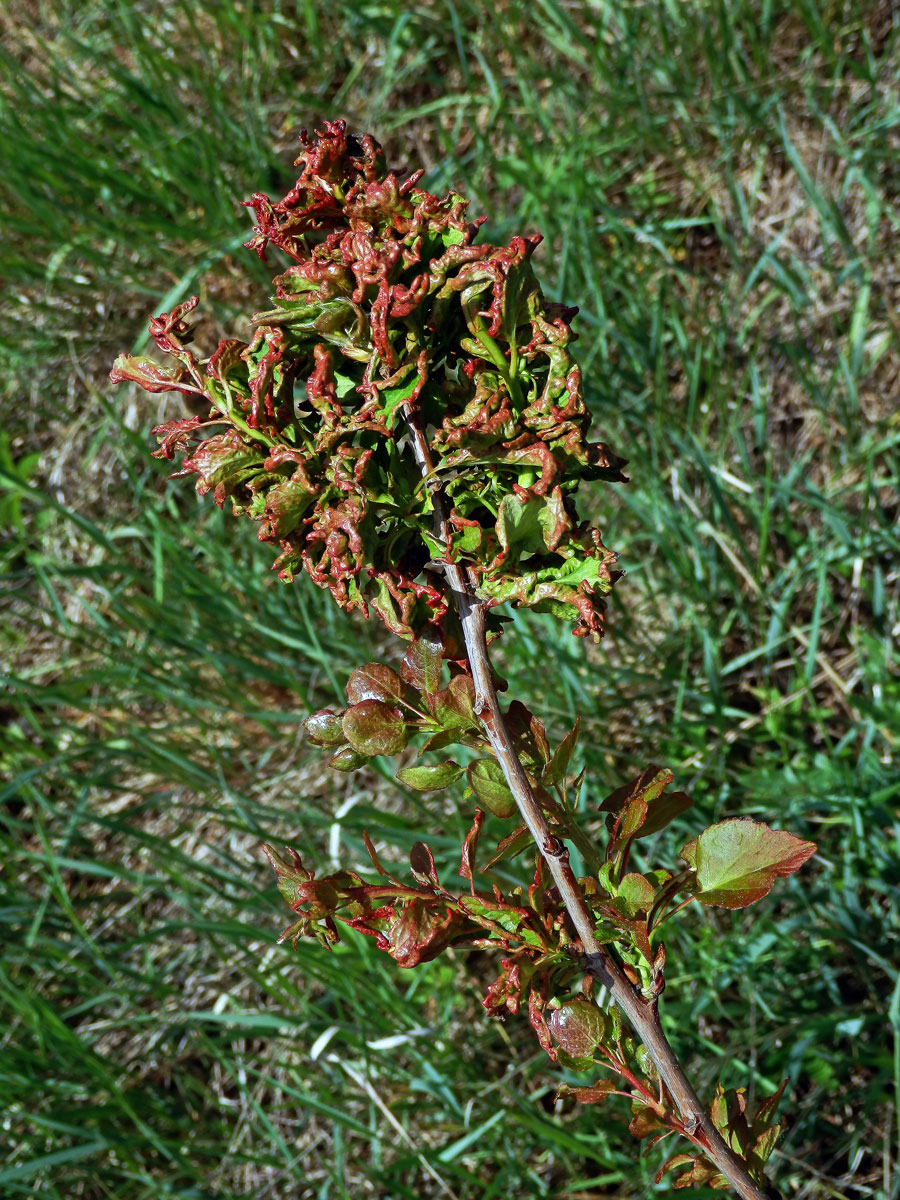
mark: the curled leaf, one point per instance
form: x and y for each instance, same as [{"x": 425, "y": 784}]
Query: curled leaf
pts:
[
  {"x": 347, "y": 759},
  {"x": 592, "y": 1094},
  {"x": 421, "y": 862},
  {"x": 372, "y": 727},
  {"x": 324, "y": 728}
]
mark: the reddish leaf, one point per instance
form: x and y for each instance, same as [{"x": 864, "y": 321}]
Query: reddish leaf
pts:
[
  {"x": 374, "y": 681},
  {"x": 643, "y": 807},
  {"x": 644, "y": 1122},
  {"x": 578, "y": 1027},
  {"x": 422, "y": 932},
  {"x": 421, "y": 667},
  {"x": 528, "y": 736},
  {"x": 470, "y": 845},
  {"x": 454, "y": 705},
  {"x": 592, "y": 1094},
  {"x": 738, "y": 861},
  {"x": 702, "y": 1171},
  {"x": 421, "y": 862},
  {"x": 373, "y": 854},
  {"x": 514, "y": 843},
  {"x": 766, "y": 1110},
  {"x": 374, "y": 728},
  {"x": 152, "y": 376}
]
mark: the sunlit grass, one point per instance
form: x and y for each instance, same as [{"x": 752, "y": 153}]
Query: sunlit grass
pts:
[{"x": 717, "y": 189}]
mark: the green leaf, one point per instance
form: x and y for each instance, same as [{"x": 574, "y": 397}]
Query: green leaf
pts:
[
  {"x": 556, "y": 769},
  {"x": 393, "y": 398},
  {"x": 637, "y": 892},
  {"x": 347, "y": 759},
  {"x": 738, "y": 861},
  {"x": 487, "y": 781},
  {"x": 573, "y": 1062},
  {"x": 324, "y": 728},
  {"x": 430, "y": 778},
  {"x": 373, "y": 727},
  {"x": 290, "y": 876},
  {"x": 454, "y": 705}
]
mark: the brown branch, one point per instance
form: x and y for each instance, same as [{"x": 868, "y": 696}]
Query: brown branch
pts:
[{"x": 641, "y": 1014}]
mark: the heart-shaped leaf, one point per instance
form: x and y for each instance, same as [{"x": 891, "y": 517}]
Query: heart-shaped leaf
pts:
[{"x": 738, "y": 861}]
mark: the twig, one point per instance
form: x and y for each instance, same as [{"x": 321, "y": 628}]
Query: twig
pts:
[{"x": 598, "y": 961}]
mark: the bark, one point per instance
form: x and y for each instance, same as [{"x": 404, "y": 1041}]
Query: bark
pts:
[{"x": 640, "y": 1013}]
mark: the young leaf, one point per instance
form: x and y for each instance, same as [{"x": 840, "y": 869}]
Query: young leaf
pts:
[
  {"x": 514, "y": 843},
  {"x": 430, "y": 778},
  {"x": 324, "y": 728},
  {"x": 290, "y": 876},
  {"x": 454, "y": 705},
  {"x": 421, "y": 862},
  {"x": 637, "y": 892},
  {"x": 487, "y": 781},
  {"x": 374, "y": 728},
  {"x": 421, "y": 667},
  {"x": 644, "y": 1122},
  {"x": 738, "y": 861},
  {"x": 592, "y": 1094},
  {"x": 578, "y": 1027},
  {"x": 347, "y": 759},
  {"x": 555, "y": 771},
  {"x": 469, "y": 846},
  {"x": 374, "y": 681},
  {"x": 643, "y": 807}
]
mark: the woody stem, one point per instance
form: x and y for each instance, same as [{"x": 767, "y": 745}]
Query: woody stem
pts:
[{"x": 641, "y": 1014}]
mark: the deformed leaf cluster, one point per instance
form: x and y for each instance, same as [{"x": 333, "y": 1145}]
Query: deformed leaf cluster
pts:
[
  {"x": 391, "y": 305},
  {"x": 390, "y": 309}
]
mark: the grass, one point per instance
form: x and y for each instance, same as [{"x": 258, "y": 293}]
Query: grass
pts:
[{"x": 717, "y": 186}]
